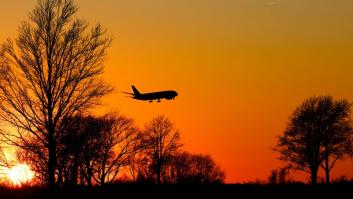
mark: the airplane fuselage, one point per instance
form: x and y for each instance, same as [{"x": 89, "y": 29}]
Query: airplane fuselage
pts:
[{"x": 169, "y": 95}]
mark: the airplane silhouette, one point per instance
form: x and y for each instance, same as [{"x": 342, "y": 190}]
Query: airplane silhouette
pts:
[{"x": 169, "y": 95}]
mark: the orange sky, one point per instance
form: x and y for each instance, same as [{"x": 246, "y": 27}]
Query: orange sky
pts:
[{"x": 240, "y": 67}]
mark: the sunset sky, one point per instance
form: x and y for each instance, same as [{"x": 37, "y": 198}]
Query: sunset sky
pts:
[{"x": 240, "y": 67}]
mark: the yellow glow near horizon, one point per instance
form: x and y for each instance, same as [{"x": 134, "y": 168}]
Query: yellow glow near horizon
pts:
[{"x": 20, "y": 174}]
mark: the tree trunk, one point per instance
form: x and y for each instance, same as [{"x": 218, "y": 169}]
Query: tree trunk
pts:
[
  {"x": 327, "y": 170},
  {"x": 158, "y": 174},
  {"x": 60, "y": 179},
  {"x": 314, "y": 176},
  {"x": 74, "y": 174},
  {"x": 52, "y": 159},
  {"x": 102, "y": 180},
  {"x": 158, "y": 178},
  {"x": 88, "y": 177},
  {"x": 89, "y": 181}
]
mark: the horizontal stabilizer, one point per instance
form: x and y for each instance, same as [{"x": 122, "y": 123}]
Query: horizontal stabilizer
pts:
[{"x": 127, "y": 93}]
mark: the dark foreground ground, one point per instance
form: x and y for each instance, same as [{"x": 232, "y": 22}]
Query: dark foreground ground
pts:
[{"x": 299, "y": 191}]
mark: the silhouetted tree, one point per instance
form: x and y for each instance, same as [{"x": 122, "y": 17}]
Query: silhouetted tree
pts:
[
  {"x": 161, "y": 141},
  {"x": 283, "y": 174},
  {"x": 338, "y": 134},
  {"x": 116, "y": 147},
  {"x": 95, "y": 148},
  {"x": 273, "y": 178},
  {"x": 76, "y": 145},
  {"x": 279, "y": 176},
  {"x": 186, "y": 168},
  {"x": 49, "y": 73},
  {"x": 139, "y": 162},
  {"x": 318, "y": 129}
]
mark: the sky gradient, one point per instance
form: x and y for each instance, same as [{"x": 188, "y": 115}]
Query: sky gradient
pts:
[{"x": 240, "y": 67}]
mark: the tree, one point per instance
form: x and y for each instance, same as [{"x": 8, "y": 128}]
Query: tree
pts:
[
  {"x": 95, "y": 148},
  {"x": 116, "y": 147},
  {"x": 318, "y": 129},
  {"x": 279, "y": 176},
  {"x": 139, "y": 161},
  {"x": 50, "y": 73},
  {"x": 273, "y": 178},
  {"x": 161, "y": 141},
  {"x": 187, "y": 168},
  {"x": 138, "y": 167},
  {"x": 338, "y": 134},
  {"x": 76, "y": 145},
  {"x": 283, "y": 174}
]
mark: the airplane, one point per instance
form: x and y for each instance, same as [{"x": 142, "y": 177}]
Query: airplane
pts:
[{"x": 169, "y": 95}]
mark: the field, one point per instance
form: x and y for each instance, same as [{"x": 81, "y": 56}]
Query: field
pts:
[{"x": 183, "y": 191}]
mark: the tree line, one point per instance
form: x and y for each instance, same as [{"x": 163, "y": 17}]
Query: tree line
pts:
[{"x": 101, "y": 150}]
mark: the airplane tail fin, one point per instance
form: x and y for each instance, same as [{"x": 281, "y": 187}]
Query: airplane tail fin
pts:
[{"x": 136, "y": 92}]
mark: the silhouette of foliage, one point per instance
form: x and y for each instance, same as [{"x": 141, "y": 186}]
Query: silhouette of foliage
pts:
[
  {"x": 116, "y": 146},
  {"x": 283, "y": 174},
  {"x": 139, "y": 162},
  {"x": 161, "y": 142},
  {"x": 78, "y": 149},
  {"x": 273, "y": 178},
  {"x": 319, "y": 129},
  {"x": 48, "y": 74},
  {"x": 159, "y": 160},
  {"x": 279, "y": 176},
  {"x": 186, "y": 168},
  {"x": 97, "y": 148}
]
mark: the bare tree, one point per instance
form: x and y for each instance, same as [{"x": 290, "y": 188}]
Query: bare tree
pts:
[
  {"x": 318, "y": 129},
  {"x": 279, "y": 176},
  {"x": 193, "y": 168},
  {"x": 116, "y": 147},
  {"x": 162, "y": 141},
  {"x": 139, "y": 167},
  {"x": 283, "y": 175},
  {"x": 273, "y": 178},
  {"x": 338, "y": 134},
  {"x": 73, "y": 142},
  {"x": 49, "y": 73},
  {"x": 96, "y": 148}
]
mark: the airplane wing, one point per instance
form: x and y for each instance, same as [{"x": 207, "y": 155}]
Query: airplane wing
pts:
[{"x": 127, "y": 93}]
